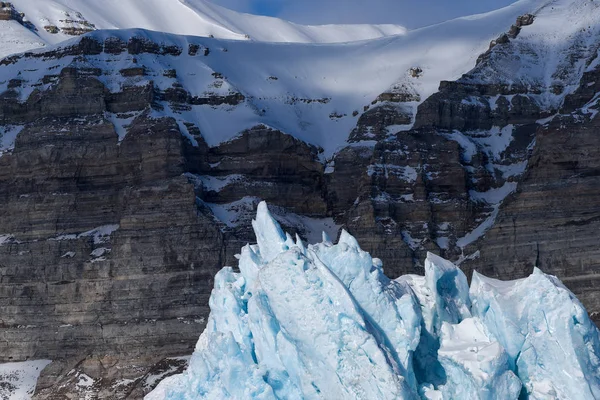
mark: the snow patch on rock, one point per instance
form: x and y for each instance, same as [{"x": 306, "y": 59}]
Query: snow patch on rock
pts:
[{"x": 18, "y": 380}]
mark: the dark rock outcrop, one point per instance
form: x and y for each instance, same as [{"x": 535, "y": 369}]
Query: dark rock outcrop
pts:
[
  {"x": 8, "y": 12},
  {"x": 284, "y": 170},
  {"x": 91, "y": 205}
]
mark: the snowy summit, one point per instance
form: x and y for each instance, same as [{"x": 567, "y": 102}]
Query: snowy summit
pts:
[
  {"x": 53, "y": 21},
  {"x": 324, "y": 322}
]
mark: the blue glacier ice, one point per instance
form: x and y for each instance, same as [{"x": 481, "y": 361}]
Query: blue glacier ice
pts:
[
  {"x": 323, "y": 322},
  {"x": 551, "y": 343}
]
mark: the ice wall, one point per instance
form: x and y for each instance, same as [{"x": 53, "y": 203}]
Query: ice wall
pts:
[{"x": 323, "y": 322}]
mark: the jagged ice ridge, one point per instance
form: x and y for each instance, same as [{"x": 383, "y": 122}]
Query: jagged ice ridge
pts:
[{"x": 324, "y": 322}]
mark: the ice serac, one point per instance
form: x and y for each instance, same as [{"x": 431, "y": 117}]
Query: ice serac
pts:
[
  {"x": 443, "y": 295},
  {"x": 389, "y": 307},
  {"x": 450, "y": 292},
  {"x": 269, "y": 236},
  {"x": 552, "y": 344},
  {"x": 476, "y": 365},
  {"x": 323, "y": 322},
  {"x": 289, "y": 327}
]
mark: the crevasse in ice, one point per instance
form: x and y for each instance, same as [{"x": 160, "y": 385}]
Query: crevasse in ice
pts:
[{"x": 324, "y": 322}]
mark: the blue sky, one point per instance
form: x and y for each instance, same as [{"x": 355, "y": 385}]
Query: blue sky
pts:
[{"x": 410, "y": 13}]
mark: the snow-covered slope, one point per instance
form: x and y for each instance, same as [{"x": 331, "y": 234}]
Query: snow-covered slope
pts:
[
  {"x": 549, "y": 56},
  {"x": 314, "y": 92},
  {"x": 323, "y": 322},
  {"x": 184, "y": 17},
  {"x": 15, "y": 38},
  {"x": 18, "y": 380}
]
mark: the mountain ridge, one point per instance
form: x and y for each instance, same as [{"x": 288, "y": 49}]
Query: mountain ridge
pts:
[
  {"x": 350, "y": 76},
  {"x": 56, "y": 20}
]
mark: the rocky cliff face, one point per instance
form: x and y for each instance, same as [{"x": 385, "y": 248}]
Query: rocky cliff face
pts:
[
  {"x": 552, "y": 219},
  {"x": 116, "y": 209},
  {"x": 80, "y": 211},
  {"x": 113, "y": 240},
  {"x": 441, "y": 183}
]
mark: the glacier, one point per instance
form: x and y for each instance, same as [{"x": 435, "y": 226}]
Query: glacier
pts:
[{"x": 323, "y": 321}]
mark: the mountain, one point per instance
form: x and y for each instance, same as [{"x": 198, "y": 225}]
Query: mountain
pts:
[
  {"x": 296, "y": 316},
  {"x": 308, "y": 91},
  {"x": 132, "y": 162},
  {"x": 51, "y": 22}
]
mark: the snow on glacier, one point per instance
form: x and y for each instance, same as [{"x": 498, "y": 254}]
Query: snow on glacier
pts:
[
  {"x": 476, "y": 365},
  {"x": 323, "y": 322}
]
